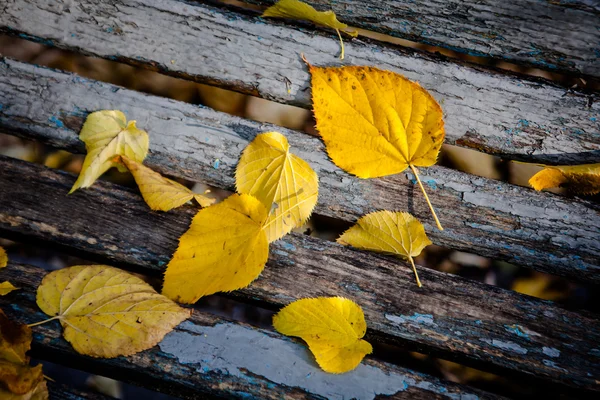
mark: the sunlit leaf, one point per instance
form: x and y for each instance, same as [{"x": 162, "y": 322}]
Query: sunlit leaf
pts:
[{"x": 582, "y": 179}]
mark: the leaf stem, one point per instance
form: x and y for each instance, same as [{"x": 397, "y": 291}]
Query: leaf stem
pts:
[
  {"x": 341, "y": 44},
  {"x": 437, "y": 221},
  {"x": 44, "y": 321},
  {"x": 415, "y": 271}
]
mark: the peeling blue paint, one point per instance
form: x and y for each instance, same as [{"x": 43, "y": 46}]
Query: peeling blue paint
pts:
[
  {"x": 552, "y": 364},
  {"x": 56, "y": 121},
  {"x": 517, "y": 330},
  {"x": 551, "y": 351},
  {"x": 594, "y": 352},
  {"x": 288, "y": 246},
  {"x": 216, "y": 164},
  {"x": 509, "y": 346},
  {"x": 416, "y": 318},
  {"x": 479, "y": 322}
]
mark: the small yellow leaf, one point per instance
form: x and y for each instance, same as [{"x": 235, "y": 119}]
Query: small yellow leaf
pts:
[
  {"x": 106, "y": 312},
  {"x": 6, "y": 287},
  {"x": 15, "y": 340},
  {"x": 3, "y": 258},
  {"x": 283, "y": 182},
  {"x": 376, "y": 123},
  {"x": 161, "y": 193},
  {"x": 332, "y": 327},
  {"x": 582, "y": 179},
  {"x": 107, "y": 134},
  {"x": 396, "y": 233},
  {"x": 225, "y": 249}
]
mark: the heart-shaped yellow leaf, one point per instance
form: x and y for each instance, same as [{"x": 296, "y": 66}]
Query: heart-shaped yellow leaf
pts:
[
  {"x": 397, "y": 233},
  {"x": 161, "y": 193},
  {"x": 376, "y": 123},
  {"x": 107, "y": 134},
  {"x": 3, "y": 258},
  {"x": 332, "y": 327},
  {"x": 106, "y": 312},
  {"x": 582, "y": 179},
  {"x": 6, "y": 287},
  {"x": 225, "y": 249},
  {"x": 283, "y": 182}
]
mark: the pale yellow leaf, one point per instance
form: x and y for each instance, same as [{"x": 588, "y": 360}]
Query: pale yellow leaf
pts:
[
  {"x": 6, "y": 287},
  {"x": 582, "y": 179},
  {"x": 161, "y": 193},
  {"x": 285, "y": 184},
  {"x": 107, "y": 134},
  {"x": 396, "y": 233},
  {"x": 332, "y": 327},
  {"x": 106, "y": 312},
  {"x": 225, "y": 249},
  {"x": 3, "y": 258}
]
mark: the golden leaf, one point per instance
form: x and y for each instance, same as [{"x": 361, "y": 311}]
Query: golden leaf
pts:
[
  {"x": 6, "y": 287},
  {"x": 376, "y": 123},
  {"x": 582, "y": 179},
  {"x": 283, "y": 182},
  {"x": 3, "y": 258},
  {"x": 160, "y": 193},
  {"x": 397, "y": 233},
  {"x": 107, "y": 134},
  {"x": 295, "y": 9},
  {"x": 106, "y": 312},
  {"x": 39, "y": 392},
  {"x": 20, "y": 379},
  {"x": 225, "y": 249},
  {"x": 331, "y": 326}
]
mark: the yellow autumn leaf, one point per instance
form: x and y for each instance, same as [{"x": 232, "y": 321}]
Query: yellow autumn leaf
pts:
[
  {"x": 6, "y": 287},
  {"x": 39, "y": 392},
  {"x": 295, "y": 9},
  {"x": 332, "y": 327},
  {"x": 107, "y": 134},
  {"x": 283, "y": 182},
  {"x": 376, "y": 123},
  {"x": 397, "y": 233},
  {"x": 15, "y": 340},
  {"x": 225, "y": 249},
  {"x": 107, "y": 312},
  {"x": 3, "y": 258},
  {"x": 161, "y": 193},
  {"x": 582, "y": 179}
]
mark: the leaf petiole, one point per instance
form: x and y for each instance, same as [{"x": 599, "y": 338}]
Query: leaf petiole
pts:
[
  {"x": 44, "y": 321},
  {"x": 437, "y": 221},
  {"x": 415, "y": 271}
]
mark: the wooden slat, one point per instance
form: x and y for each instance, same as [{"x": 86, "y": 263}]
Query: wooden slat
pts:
[
  {"x": 209, "y": 355},
  {"x": 456, "y": 318},
  {"x": 554, "y": 35},
  {"x": 498, "y": 220},
  {"x": 490, "y": 111},
  {"x": 59, "y": 391}
]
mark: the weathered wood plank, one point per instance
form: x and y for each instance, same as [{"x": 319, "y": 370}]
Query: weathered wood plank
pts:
[
  {"x": 63, "y": 392},
  {"x": 554, "y": 35},
  {"x": 209, "y": 355},
  {"x": 498, "y": 220},
  {"x": 487, "y": 110},
  {"x": 459, "y": 319}
]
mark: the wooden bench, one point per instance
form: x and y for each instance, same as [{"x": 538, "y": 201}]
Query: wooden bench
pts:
[{"x": 555, "y": 349}]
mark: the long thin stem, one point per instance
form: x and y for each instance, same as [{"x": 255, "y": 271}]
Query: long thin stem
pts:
[
  {"x": 44, "y": 321},
  {"x": 415, "y": 271},
  {"x": 341, "y": 44},
  {"x": 437, "y": 221}
]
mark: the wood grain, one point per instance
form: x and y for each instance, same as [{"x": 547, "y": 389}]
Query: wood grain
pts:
[
  {"x": 487, "y": 110},
  {"x": 466, "y": 321},
  {"x": 539, "y": 230},
  {"x": 59, "y": 391}
]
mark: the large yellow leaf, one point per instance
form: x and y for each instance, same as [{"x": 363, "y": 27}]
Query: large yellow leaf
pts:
[
  {"x": 3, "y": 258},
  {"x": 225, "y": 249},
  {"x": 376, "y": 123},
  {"x": 107, "y": 134},
  {"x": 283, "y": 182},
  {"x": 396, "y": 233},
  {"x": 159, "y": 192},
  {"x": 581, "y": 179},
  {"x": 107, "y": 312},
  {"x": 6, "y": 287},
  {"x": 331, "y": 326}
]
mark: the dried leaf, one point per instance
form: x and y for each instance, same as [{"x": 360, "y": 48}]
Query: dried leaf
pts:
[
  {"x": 581, "y": 179},
  {"x": 6, "y": 287},
  {"x": 331, "y": 326},
  {"x": 283, "y": 182},
  {"x": 15, "y": 340},
  {"x": 106, "y": 312},
  {"x": 3, "y": 258},
  {"x": 396, "y": 233},
  {"x": 107, "y": 134},
  {"x": 161, "y": 193},
  {"x": 39, "y": 392},
  {"x": 376, "y": 123},
  {"x": 225, "y": 249},
  {"x": 20, "y": 379}
]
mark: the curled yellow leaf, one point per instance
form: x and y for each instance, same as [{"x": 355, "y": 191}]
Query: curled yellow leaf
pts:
[
  {"x": 283, "y": 182},
  {"x": 6, "y": 287},
  {"x": 107, "y": 134},
  {"x": 332, "y": 327},
  {"x": 582, "y": 179},
  {"x": 106, "y": 312},
  {"x": 225, "y": 249},
  {"x": 3, "y": 258},
  {"x": 396, "y": 233}
]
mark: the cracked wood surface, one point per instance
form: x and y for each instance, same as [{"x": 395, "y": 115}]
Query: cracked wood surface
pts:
[
  {"x": 212, "y": 356},
  {"x": 544, "y": 231},
  {"x": 455, "y": 318},
  {"x": 488, "y": 110}
]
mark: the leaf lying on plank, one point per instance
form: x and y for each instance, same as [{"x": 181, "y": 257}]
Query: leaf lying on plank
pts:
[
  {"x": 6, "y": 287},
  {"x": 295, "y": 9},
  {"x": 331, "y": 326},
  {"x": 161, "y": 193},
  {"x": 106, "y": 312},
  {"x": 107, "y": 134},
  {"x": 283, "y": 182},
  {"x": 3, "y": 258},
  {"x": 581, "y": 179},
  {"x": 396, "y": 233},
  {"x": 376, "y": 123},
  {"x": 225, "y": 249}
]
